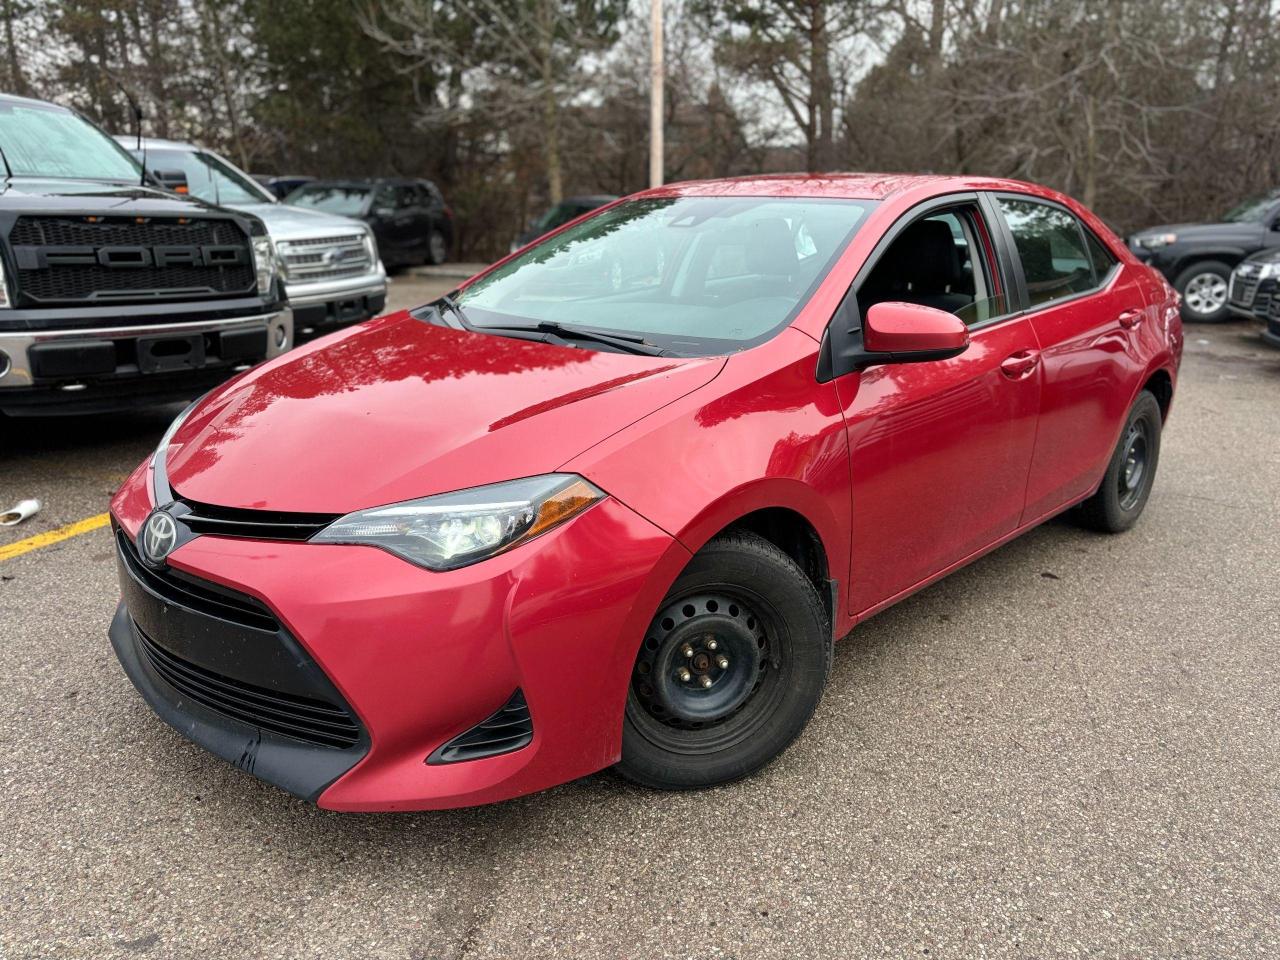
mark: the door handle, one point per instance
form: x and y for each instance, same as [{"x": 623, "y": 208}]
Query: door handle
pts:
[
  {"x": 1130, "y": 318},
  {"x": 1018, "y": 365}
]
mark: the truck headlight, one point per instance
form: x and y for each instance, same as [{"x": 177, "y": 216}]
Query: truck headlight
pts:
[
  {"x": 4, "y": 289},
  {"x": 371, "y": 246},
  {"x": 265, "y": 262},
  {"x": 1154, "y": 241},
  {"x": 453, "y": 530}
]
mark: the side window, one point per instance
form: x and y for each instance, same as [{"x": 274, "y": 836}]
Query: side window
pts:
[
  {"x": 940, "y": 261},
  {"x": 1103, "y": 259},
  {"x": 406, "y": 198},
  {"x": 1050, "y": 244},
  {"x": 385, "y": 199}
]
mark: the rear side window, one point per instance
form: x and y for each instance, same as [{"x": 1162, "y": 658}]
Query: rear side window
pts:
[
  {"x": 1103, "y": 259},
  {"x": 1050, "y": 242}
]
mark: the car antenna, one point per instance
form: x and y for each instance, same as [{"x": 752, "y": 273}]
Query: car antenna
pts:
[{"x": 137, "y": 116}]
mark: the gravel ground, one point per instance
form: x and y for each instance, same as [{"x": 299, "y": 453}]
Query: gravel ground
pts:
[{"x": 1068, "y": 748}]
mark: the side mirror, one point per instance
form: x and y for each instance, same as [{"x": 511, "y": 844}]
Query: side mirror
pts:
[
  {"x": 175, "y": 180},
  {"x": 909, "y": 332},
  {"x": 892, "y": 333}
]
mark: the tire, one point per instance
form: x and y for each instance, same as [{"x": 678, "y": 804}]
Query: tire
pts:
[
  {"x": 437, "y": 248},
  {"x": 766, "y": 619},
  {"x": 1204, "y": 287},
  {"x": 1121, "y": 497}
]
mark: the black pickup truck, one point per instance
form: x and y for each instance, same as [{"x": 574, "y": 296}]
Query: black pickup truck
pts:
[
  {"x": 114, "y": 292},
  {"x": 1197, "y": 258}
]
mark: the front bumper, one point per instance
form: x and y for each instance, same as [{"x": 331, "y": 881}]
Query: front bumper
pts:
[
  {"x": 422, "y": 657},
  {"x": 320, "y": 305},
  {"x": 117, "y": 366}
]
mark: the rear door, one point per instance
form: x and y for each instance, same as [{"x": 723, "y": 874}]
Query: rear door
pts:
[
  {"x": 939, "y": 451},
  {"x": 1087, "y": 310}
]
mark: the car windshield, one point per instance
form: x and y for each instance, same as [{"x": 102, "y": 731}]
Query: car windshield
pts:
[
  {"x": 694, "y": 275},
  {"x": 42, "y": 140},
  {"x": 348, "y": 201},
  {"x": 1251, "y": 211},
  {"x": 209, "y": 177}
]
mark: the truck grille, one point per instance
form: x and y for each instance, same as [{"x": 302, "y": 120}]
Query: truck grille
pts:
[
  {"x": 199, "y": 258},
  {"x": 325, "y": 258}
]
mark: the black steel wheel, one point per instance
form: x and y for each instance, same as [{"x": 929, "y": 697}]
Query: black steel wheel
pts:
[
  {"x": 730, "y": 670},
  {"x": 1125, "y": 487}
]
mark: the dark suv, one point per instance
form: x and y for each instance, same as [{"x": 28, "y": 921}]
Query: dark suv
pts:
[
  {"x": 112, "y": 291},
  {"x": 410, "y": 220},
  {"x": 1197, "y": 258}
]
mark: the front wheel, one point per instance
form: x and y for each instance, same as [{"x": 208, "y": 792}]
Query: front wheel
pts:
[
  {"x": 1204, "y": 288},
  {"x": 1131, "y": 472},
  {"x": 730, "y": 671}
]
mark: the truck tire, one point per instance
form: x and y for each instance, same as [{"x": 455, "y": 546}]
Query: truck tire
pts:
[{"x": 1204, "y": 287}]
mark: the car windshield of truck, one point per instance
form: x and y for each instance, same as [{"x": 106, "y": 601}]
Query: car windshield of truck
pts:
[
  {"x": 209, "y": 177},
  {"x": 347, "y": 201},
  {"x": 1251, "y": 211},
  {"x": 693, "y": 275},
  {"x": 42, "y": 140}
]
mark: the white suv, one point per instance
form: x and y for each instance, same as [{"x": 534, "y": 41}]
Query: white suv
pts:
[{"x": 332, "y": 272}]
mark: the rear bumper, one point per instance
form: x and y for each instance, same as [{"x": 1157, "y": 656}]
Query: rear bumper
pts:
[
  {"x": 423, "y": 657},
  {"x": 99, "y": 369}
]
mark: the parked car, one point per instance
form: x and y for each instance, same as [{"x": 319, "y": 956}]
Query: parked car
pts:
[
  {"x": 562, "y": 520},
  {"x": 114, "y": 292},
  {"x": 559, "y": 215},
  {"x": 1197, "y": 258},
  {"x": 1254, "y": 283},
  {"x": 281, "y": 187},
  {"x": 332, "y": 273},
  {"x": 412, "y": 222}
]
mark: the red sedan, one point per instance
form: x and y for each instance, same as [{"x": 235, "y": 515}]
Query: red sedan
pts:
[{"x": 610, "y": 503}]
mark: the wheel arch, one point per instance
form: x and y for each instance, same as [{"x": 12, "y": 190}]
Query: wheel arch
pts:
[{"x": 1227, "y": 255}]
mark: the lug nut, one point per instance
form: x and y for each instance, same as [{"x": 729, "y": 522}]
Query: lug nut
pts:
[
  {"x": 684, "y": 675},
  {"x": 711, "y": 644},
  {"x": 687, "y": 650},
  {"x": 707, "y": 681},
  {"x": 723, "y": 661}
]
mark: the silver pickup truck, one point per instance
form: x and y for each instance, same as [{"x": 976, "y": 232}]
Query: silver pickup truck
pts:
[{"x": 332, "y": 272}]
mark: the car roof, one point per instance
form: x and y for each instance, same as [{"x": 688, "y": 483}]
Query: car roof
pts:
[{"x": 845, "y": 186}]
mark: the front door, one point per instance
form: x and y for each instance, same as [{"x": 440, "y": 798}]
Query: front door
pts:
[{"x": 939, "y": 451}]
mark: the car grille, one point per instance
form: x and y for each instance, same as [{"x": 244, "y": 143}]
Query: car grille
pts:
[
  {"x": 253, "y": 524},
  {"x": 195, "y": 594},
  {"x": 312, "y": 721},
  {"x": 325, "y": 258},
  {"x": 1243, "y": 290},
  {"x": 72, "y": 283}
]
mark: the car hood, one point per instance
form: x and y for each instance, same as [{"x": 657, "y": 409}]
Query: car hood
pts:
[
  {"x": 1206, "y": 231},
  {"x": 299, "y": 223},
  {"x": 398, "y": 408}
]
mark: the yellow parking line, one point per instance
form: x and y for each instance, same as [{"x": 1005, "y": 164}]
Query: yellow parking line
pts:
[{"x": 53, "y": 536}]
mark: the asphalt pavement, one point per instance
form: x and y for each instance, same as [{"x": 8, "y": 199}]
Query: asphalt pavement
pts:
[{"x": 1070, "y": 748}]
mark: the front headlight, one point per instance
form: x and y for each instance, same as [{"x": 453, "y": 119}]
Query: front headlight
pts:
[
  {"x": 1269, "y": 269},
  {"x": 371, "y": 246},
  {"x": 453, "y": 530},
  {"x": 4, "y": 289},
  {"x": 1154, "y": 241},
  {"x": 264, "y": 261}
]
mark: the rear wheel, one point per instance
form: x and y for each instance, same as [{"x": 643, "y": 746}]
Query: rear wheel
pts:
[
  {"x": 1126, "y": 486},
  {"x": 437, "y": 248},
  {"x": 1204, "y": 291},
  {"x": 730, "y": 671}
]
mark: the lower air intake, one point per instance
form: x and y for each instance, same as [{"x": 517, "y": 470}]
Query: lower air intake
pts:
[{"x": 509, "y": 729}]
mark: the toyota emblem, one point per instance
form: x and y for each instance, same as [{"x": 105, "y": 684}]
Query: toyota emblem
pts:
[{"x": 159, "y": 537}]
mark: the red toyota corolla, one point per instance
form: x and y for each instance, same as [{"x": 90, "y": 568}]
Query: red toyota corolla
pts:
[{"x": 610, "y": 503}]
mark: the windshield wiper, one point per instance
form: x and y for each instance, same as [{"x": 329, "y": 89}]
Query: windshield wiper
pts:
[
  {"x": 622, "y": 341},
  {"x": 457, "y": 311}
]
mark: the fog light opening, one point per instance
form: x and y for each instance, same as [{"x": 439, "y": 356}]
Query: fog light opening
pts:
[
  {"x": 282, "y": 337},
  {"x": 5, "y": 363}
]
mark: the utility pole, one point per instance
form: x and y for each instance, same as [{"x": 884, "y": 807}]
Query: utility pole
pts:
[{"x": 655, "y": 93}]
